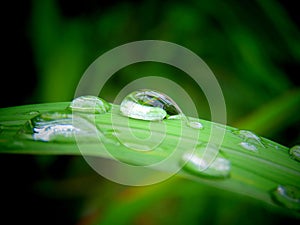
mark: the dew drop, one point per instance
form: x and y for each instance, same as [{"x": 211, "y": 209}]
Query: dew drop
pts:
[
  {"x": 287, "y": 196},
  {"x": 54, "y": 131},
  {"x": 219, "y": 168},
  {"x": 56, "y": 126},
  {"x": 89, "y": 104},
  {"x": 249, "y": 137},
  {"x": 33, "y": 113},
  {"x": 188, "y": 121},
  {"x": 194, "y": 124},
  {"x": 273, "y": 145},
  {"x": 148, "y": 105},
  {"x": 248, "y": 146},
  {"x": 197, "y": 163},
  {"x": 295, "y": 152}
]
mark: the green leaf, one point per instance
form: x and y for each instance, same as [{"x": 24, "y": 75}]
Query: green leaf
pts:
[{"x": 253, "y": 173}]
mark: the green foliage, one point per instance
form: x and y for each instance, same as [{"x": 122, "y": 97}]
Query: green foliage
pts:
[{"x": 253, "y": 173}]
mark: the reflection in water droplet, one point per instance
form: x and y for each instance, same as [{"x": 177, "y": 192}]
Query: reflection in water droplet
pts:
[
  {"x": 249, "y": 137},
  {"x": 217, "y": 167},
  {"x": 148, "y": 105},
  {"x": 295, "y": 152},
  {"x": 248, "y": 146},
  {"x": 287, "y": 196},
  {"x": 89, "y": 104}
]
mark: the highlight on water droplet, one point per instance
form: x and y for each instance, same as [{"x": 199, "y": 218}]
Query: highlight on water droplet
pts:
[
  {"x": 295, "y": 152},
  {"x": 198, "y": 164},
  {"x": 248, "y": 146},
  {"x": 89, "y": 104},
  {"x": 287, "y": 196},
  {"x": 148, "y": 105},
  {"x": 249, "y": 137}
]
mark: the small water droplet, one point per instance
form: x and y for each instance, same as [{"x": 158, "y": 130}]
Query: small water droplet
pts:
[
  {"x": 248, "y": 146},
  {"x": 295, "y": 152},
  {"x": 148, "y": 105},
  {"x": 219, "y": 168},
  {"x": 189, "y": 121},
  {"x": 89, "y": 104},
  {"x": 273, "y": 145},
  {"x": 287, "y": 196},
  {"x": 197, "y": 163},
  {"x": 196, "y": 125},
  {"x": 33, "y": 113},
  {"x": 249, "y": 137}
]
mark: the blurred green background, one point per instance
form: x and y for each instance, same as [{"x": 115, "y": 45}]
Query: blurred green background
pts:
[{"x": 252, "y": 47}]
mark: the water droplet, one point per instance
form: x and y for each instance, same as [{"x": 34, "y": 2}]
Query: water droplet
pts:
[
  {"x": 196, "y": 125},
  {"x": 33, "y": 113},
  {"x": 295, "y": 152},
  {"x": 198, "y": 163},
  {"x": 287, "y": 196},
  {"x": 148, "y": 105},
  {"x": 273, "y": 145},
  {"x": 248, "y": 146},
  {"x": 249, "y": 137},
  {"x": 56, "y": 126},
  {"x": 53, "y": 131},
  {"x": 189, "y": 122},
  {"x": 89, "y": 104}
]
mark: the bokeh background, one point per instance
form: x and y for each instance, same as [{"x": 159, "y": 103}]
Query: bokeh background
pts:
[{"x": 252, "y": 47}]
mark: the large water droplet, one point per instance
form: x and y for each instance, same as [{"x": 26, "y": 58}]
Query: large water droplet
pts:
[
  {"x": 198, "y": 163},
  {"x": 295, "y": 152},
  {"x": 148, "y": 105},
  {"x": 57, "y": 126},
  {"x": 287, "y": 196},
  {"x": 248, "y": 146},
  {"x": 249, "y": 137},
  {"x": 89, "y": 104}
]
